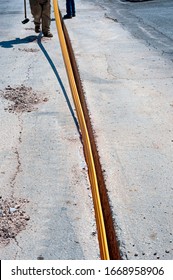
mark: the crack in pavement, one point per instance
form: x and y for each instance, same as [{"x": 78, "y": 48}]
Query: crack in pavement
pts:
[
  {"x": 17, "y": 243},
  {"x": 18, "y": 159},
  {"x": 111, "y": 18}
]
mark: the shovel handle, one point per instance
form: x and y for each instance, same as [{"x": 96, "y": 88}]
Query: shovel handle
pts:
[{"x": 25, "y": 8}]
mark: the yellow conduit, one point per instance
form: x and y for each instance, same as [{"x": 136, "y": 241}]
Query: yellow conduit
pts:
[{"x": 104, "y": 252}]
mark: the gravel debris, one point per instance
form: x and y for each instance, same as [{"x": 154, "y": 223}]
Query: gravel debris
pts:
[
  {"x": 22, "y": 99},
  {"x": 13, "y": 219}
]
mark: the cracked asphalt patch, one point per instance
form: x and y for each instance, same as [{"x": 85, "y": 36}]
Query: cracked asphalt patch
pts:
[
  {"x": 13, "y": 218},
  {"x": 22, "y": 99}
]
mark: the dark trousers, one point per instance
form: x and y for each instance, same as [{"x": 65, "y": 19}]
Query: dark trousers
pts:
[
  {"x": 41, "y": 10},
  {"x": 70, "y": 7}
]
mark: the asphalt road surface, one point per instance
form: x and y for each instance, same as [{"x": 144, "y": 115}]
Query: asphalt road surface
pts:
[{"x": 149, "y": 21}]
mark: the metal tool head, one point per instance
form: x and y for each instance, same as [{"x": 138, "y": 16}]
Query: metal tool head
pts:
[{"x": 25, "y": 20}]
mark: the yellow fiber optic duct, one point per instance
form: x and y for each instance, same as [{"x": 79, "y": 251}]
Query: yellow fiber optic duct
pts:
[{"x": 104, "y": 252}]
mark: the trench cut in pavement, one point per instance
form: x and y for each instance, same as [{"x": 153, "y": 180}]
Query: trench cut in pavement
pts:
[
  {"x": 106, "y": 233},
  {"x": 109, "y": 226}
]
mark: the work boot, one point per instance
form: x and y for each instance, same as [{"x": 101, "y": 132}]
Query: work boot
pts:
[
  {"x": 67, "y": 16},
  {"x": 37, "y": 29},
  {"x": 48, "y": 34}
]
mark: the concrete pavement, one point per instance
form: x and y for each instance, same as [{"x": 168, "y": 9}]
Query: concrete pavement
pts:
[
  {"x": 43, "y": 175},
  {"x": 128, "y": 89}
]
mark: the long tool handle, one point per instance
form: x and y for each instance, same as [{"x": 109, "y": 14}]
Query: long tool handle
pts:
[{"x": 25, "y": 8}]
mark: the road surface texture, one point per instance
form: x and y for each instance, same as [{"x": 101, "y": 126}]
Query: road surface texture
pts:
[
  {"x": 46, "y": 207},
  {"x": 124, "y": 53}
]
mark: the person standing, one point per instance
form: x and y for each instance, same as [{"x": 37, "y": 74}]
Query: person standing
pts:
[
  {"x": 70, "y": 9},
  {"x": 41, "y": 10}
]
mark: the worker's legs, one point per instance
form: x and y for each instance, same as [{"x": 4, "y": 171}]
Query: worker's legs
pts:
[
  {"x": 36, "y": 11},
  {"x": 73, "y": 8},
  {"x": 46, "y": 20},
  {"x": 70, "y": 9}
]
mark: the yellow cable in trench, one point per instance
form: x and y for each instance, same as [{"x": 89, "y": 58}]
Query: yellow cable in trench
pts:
[{"x": 104, "y": 252}]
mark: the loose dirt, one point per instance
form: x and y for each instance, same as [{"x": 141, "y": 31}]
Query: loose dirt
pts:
[
  {"x": 22, "y": 99},
  {"x": 13, "y": 218},
  {"x": 28, "y": 50}
]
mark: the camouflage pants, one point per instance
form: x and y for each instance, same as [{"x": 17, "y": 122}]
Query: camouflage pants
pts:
[{"x": 41, "y": 10}]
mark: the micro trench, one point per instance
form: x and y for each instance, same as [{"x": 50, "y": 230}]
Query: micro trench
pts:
[{"x": 113, "y": 247}]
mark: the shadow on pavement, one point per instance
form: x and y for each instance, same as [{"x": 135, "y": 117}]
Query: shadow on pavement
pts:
[
  {"x": 59, "y": 80},
  {"x": 29, "y": 39},
  {"x": 17, "y": 41}
]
